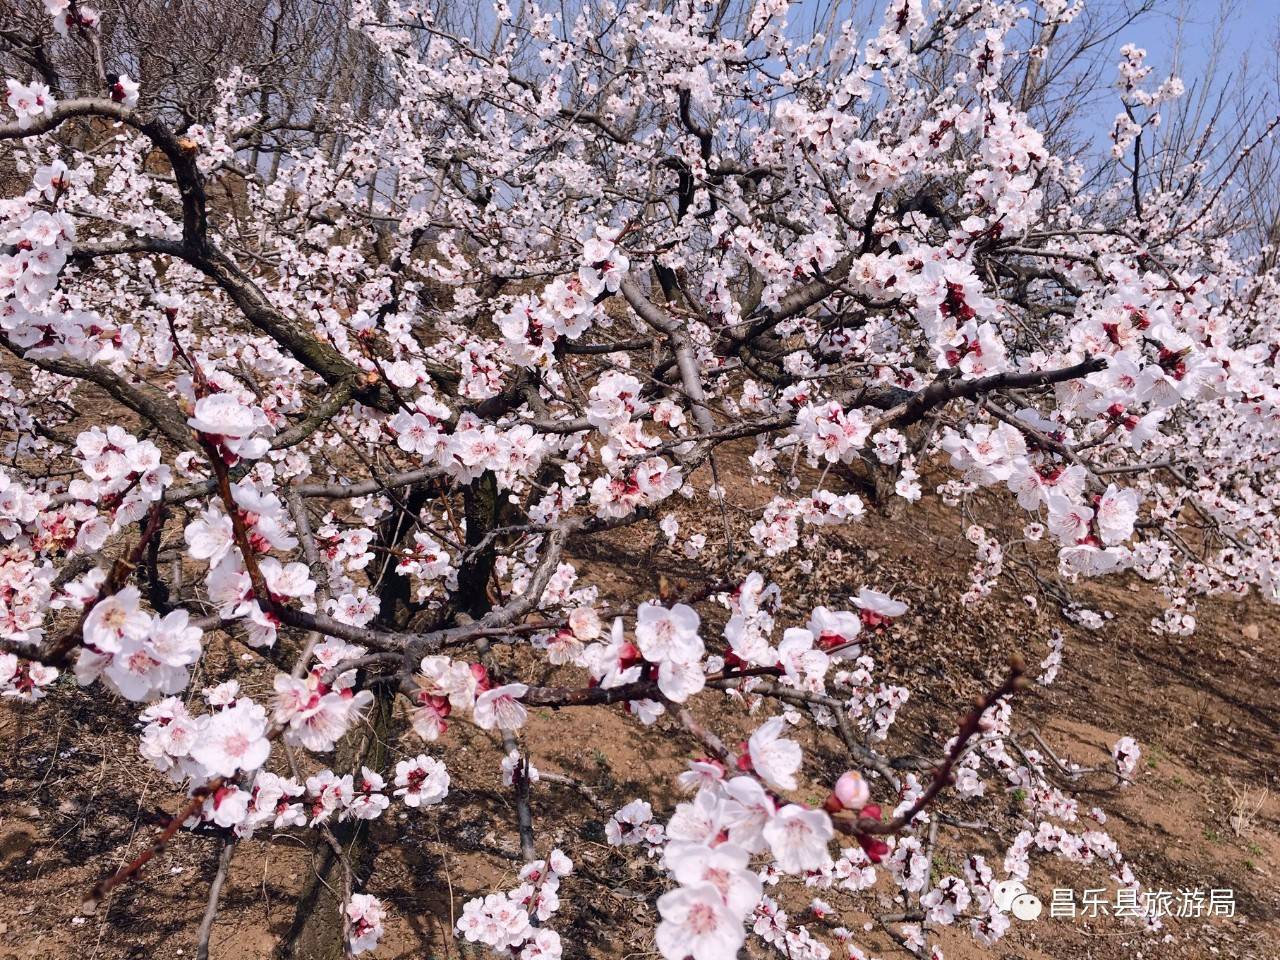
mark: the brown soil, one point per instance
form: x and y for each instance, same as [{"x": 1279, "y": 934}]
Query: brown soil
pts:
[{"x": 76, "y": 800}]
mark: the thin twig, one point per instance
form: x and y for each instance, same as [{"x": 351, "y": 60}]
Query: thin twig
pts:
[{"x": 211, "y": 908}]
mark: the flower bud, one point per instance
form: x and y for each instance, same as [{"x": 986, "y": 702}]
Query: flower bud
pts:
[
  {"x": 852, "y": 790},
  {"x": 875, "y": 848}
]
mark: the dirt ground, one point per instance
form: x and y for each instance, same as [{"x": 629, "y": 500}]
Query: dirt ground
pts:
[{"x": 76, "y": 800}]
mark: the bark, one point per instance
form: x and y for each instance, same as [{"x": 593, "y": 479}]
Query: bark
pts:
[{"x": 316, "y": 931}]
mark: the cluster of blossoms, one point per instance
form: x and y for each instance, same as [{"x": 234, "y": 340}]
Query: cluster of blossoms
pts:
[
  {"x": 1134, "y": 70},
  {"x": 199, "y": 748},
  {"x": 211, "y": 537},
  {"x": 1092, "y": 529},
  {"x": 29, "y": 101},
  {"x": 364, "y": 912},
  {"x": 316, "y": 710},
  {"x": 137, "y": 654},
  {"x": 67, "y": 15},
  {"x": 512, "y": 924},
  {"x": 233, "y": 425},
  {"x": 24, "y": 680},
  {"x": 445, "y": 685},
  {"x": 227, "y": 748},
  {"x": 125, "y": 477},
  {"x": 388, "y": 402},
  {"x": 710, "y": 841},
  {"x": 279, "y": 802},
  {"x": 831, "y": 433},
  {"x": 41, "y": 241},
  {"x": 633, "y": 824}
]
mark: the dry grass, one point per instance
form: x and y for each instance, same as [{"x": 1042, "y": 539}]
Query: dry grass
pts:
[{"x": 1246, "y": 806}]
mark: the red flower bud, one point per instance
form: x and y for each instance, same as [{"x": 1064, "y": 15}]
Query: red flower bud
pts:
[{"x": 875, "y": 848}]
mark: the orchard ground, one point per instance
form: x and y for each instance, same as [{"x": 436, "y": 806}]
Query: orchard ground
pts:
[{"x": 1205, "y": 710}]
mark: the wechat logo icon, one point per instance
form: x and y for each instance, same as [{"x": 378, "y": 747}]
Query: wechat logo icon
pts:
[{"x": 1013, "y": 896}]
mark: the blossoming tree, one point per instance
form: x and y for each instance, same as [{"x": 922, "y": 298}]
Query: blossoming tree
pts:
[{"x": 367, "y": 393}]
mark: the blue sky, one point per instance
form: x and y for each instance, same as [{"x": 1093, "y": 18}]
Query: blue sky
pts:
[
  {"x": 1179, "y": 35},
  {"x": 1249, "y": 31},
  {"x": 1215, "y": 42}
]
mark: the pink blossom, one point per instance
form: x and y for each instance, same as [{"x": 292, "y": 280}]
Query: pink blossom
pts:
[
  {"x": 696, "y": 923},
  {"x": 365, "y": 914},
  {"x": 422, "y": 781},
  {"x": 798, "y": 839},
  {"x": 773, "y": 757},
  {"x": 233, "y": 739},
  {"x": 500, "y": 707}
]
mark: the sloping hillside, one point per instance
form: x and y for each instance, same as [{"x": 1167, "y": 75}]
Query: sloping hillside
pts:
[{"x": 1204, "y": 710}]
